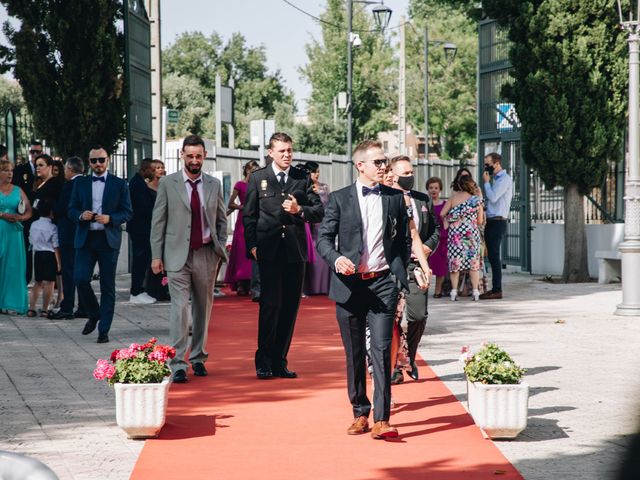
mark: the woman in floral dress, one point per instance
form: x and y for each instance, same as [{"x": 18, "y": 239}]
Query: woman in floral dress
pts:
[{"x": 461, "y": 215}]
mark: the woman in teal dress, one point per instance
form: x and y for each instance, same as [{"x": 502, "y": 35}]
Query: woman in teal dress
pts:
[{"x": 13, "y": 261}]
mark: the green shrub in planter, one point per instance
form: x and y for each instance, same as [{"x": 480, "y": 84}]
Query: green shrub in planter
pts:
[{"x": 491, "y": 365}]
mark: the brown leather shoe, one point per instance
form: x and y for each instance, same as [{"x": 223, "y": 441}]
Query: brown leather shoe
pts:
[
  {"x": 382, "y": 430},
  {"x": 491, "y": 296},
  {"x": 359, "y": 426}
]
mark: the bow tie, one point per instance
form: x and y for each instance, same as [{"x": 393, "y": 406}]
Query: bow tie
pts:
[
  {"x": 366, "y": 190},
  {"x": 97, "y": 179}
]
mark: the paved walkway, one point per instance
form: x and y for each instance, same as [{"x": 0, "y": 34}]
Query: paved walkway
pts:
[{"x": 581, "y": 358}]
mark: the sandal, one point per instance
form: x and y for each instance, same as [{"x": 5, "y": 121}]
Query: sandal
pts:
[
  {"x": 44, "y": 313},
  {"x": 31, "y": 313},
  {"x": 437, "y": 295}
]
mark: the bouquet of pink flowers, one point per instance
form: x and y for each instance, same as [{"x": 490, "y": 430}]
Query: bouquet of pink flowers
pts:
[{"x": 146, "y": 363}]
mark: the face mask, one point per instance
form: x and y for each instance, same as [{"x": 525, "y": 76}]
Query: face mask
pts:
[
  {"x": 406, "y": 183},
  {"x": 489, "y": 169}
]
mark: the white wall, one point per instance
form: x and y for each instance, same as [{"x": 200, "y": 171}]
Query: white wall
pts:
[{"x": 547, "y": 246}]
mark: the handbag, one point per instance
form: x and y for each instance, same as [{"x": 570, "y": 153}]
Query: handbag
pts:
[{"x": 22, "y": 207}]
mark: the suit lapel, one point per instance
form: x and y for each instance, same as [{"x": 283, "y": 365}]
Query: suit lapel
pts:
[
  {"x": 385, "y": 211},
  {"x": 273, "y": 180},
  {"x": 353, "y": 200},
  {"x": 181, "y": 189}
]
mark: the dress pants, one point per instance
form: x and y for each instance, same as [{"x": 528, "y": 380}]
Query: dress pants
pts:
[
  {"x": 97, "y": 249},
  {"x": 416, "y": 303},
  {"x": 67, "y": 260},
  {"x": 372, "y": 302},
  {"x": 280, "y": 291},
  {"x": 493, "y": 235},
  {"x": 194, "y": 280},
  {"x": 140, "y": 261}
]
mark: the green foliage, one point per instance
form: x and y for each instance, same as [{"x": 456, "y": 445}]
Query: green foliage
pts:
[
  {"x": 374, "y": 84},
  {"x": 452, "y": 86},
  {"x": 139, "y": 370},
  {"x": 10, "y": 96},
  {"x": 493, "y": 366},
  {"x": 68, "y": 57},
  {"x": 322, "y": 137},
  {"x": 191, "y": 64},
  {"x": 569, "y": 85}
]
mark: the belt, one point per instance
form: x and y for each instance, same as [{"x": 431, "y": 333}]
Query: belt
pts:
[
  {"x": 495, "y": 219},
  {"x": 371, "y": 275}
]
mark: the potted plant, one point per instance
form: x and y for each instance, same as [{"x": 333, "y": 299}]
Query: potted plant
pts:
[
  {"x": 497, "y": 398},
  {"x": 141, "y": 377}
]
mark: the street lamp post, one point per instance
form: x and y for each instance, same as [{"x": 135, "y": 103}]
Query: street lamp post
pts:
[
  {"x": 450, "y": 50},
  {"x": 630, "y": 246},
  {"x": 381, "y": 15}
]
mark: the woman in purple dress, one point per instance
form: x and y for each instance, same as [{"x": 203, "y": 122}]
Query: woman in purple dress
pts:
[
  {"x": 438, "y": 258},
  {"x": 238, "y": 273},
  {"x": 318, "y": 274}
]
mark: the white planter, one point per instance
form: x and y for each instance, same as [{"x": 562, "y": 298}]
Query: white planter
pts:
[
  {"x": 500, "y": 410},
  {"x": 141, "y": 407}
]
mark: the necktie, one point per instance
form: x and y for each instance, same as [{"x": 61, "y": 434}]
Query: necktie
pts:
[
  {"x": 366, "y": 190},
  {"x": 195, "y": 242},
  {"x": 97, "y": 179},
  {"x": 281, "y": 177}
]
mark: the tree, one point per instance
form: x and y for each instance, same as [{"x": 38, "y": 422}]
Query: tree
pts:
[
  {"x": 569, "y": 82},
  {"x": 374, "y": 89},
  {"x": 185, "y": 95},
  {"x": 452, "y": 86},
  {"x": 68, "y": 57},
  {"x": 10, "y": 96},
  {"x": 196, "y": 59}
]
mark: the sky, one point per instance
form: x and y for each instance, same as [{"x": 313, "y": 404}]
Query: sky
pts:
[{"x": 283, "y": 30}]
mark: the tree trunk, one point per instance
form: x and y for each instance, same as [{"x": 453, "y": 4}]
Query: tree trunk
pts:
[{"x": 575, "y": 237}]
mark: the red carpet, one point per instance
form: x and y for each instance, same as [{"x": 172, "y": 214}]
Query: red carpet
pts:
[{"x": 230, "y": 425}]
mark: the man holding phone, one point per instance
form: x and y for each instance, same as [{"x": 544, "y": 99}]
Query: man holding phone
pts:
[{"x": 99, "y": 204}]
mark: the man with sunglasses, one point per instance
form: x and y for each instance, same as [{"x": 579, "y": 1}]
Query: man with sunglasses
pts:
[
  {"x": 23, "y": 176},
  {"x": 99, "y": 205},
  {"x": 369, "y": 266}
]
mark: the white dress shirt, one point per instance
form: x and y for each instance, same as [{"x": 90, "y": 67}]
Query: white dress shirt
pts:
[
  {"x": 206, "y": 231},
  {"x": 372, "y": 259},
  {"x": 97, "y": 192},
  {"x": 276, "y": 170},
  {"x": 43, "y": 235}
]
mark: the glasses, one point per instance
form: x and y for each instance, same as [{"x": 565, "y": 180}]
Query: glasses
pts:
[
  {"x": 95, "y": 160},
  {"x": 33, "y": 152},
  {"x": 381, "y": 162}
]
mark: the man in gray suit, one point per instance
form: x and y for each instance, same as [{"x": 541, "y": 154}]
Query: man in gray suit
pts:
[{"x": 188, "y": 234}]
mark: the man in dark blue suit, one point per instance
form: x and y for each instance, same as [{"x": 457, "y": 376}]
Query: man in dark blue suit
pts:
[
  {"x": 99, "y": 205},
  {"x": 73, "y": 169},
  {"x": 139, "y": 228}
]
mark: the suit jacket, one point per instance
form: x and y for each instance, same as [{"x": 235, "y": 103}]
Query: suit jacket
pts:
[
  {"x": 142, "y": 202},
  {"x": 115, "y": 203},
  {"x": 429, "y": 227},
  {"x": 171, "y": 221},
  {"x": 23, "y": 177},
  {"x": 267, "y": 226},
  {"x": 66, "y": 227},
  {"x": 343, "y": 220}
]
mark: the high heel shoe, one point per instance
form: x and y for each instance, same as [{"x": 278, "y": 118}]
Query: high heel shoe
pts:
[
  {"x": 453, "y": 294},
  {"x": 476, "y": 295}
]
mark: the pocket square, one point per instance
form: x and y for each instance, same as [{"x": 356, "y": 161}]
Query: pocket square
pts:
[{"x": 424, "y": 209}]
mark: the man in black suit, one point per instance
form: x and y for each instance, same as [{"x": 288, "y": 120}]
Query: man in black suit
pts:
[
  {"x": 23, "y": 176},
  {"x": 369, "y": 266},
  {"x": 429, "y": 231},
  {"x": 73, "y": 169},
  {"x": 280, "y": 199},
  {"x": 139, "y": 228}
]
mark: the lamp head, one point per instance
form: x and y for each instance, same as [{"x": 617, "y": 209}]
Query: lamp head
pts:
[
  {"x": 382, "y": 15},
  {"x": 450, "y": 51}
]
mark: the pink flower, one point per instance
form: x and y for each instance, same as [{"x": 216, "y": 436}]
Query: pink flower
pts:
[
  {"x": 127, "y": 353},
  {"x": 165, "y": 281},
  {"x": 159, "y": 355},
  {"x": 465, "y": 349},
  {"x": 103, "y": 370}
]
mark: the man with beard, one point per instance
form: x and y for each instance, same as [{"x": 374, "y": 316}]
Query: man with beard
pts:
[{"x": 188, "y": 234}]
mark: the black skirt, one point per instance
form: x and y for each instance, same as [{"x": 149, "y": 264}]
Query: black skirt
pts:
[{"x": 45, "y": 266}]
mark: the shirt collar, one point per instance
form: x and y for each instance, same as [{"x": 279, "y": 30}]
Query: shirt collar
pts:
[
  {"x": 359, "y": 186},
  {"x": 46, "y": 219},
  {"x": 103, "y": 176},
  {"x": 187, "y": 179},
  {"x": 276, "y": 170},
  {"x": 500, "y": 173},
  {"x": 75, "y": 176}
]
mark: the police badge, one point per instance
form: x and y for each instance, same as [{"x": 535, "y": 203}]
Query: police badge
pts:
[{"x": 263, "y": 185}]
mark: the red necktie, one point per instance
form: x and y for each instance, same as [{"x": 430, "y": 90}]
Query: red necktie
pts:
[{"x": 196, "y": 217}]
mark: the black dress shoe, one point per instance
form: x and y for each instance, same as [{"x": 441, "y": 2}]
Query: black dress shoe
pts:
[
  {"x": 89, "y": 327},
  {"x": 103, "y": 338},
  {"x": 63, "y": 316},
  {"x": 199, "y": 370},
  {"x": 284, "y": 373},
  {"x": 264, "y": 373},
  {"x": 180, "y": 376},
  {"x": 80, "y": 314},
  {"x": 413, "y": 373}
]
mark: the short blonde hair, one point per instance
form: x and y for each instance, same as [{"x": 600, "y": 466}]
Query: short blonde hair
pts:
[
  {"x": 363, "y": 147},
  {"x": 6, "y": 165}
]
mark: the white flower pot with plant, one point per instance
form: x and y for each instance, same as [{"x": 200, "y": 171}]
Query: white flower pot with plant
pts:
[
  {"x": 141, "y": 379},
  {"x": 497, "y": 398}
]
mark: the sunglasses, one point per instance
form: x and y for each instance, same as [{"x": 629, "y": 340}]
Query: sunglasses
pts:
[
  {"x": 97, "y": 160},
  {"x": 380, "y": 162},
  {"x": 33, "y": 152}
]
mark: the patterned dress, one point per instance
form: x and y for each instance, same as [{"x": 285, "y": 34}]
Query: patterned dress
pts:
[{"x": 463, "y": 242}]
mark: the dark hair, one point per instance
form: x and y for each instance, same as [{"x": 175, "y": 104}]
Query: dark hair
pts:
[
  {"x": 467, "y": 184},
  {"x": 279, "y": 137},
  {"x": 75, "y": 164},
  {"x": 455, "y": 185},
  {"x": 44, "y": 207},
  {"x": 3, "y": 150},
  {"x": 249, "y": 167},
  {"x": 60, "y": 165},
  {"x": 495, "y": 157},
  {"x": 97, "y": 146},
  {"x": 47, "y": 159},
  {"x": 146, "y": 163},
  {"x": 437, "y": 180},
  {"x": 192, "y": 141},
  {"x": 35, "y": 142},
  {"x": 312, "y": 166}
]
